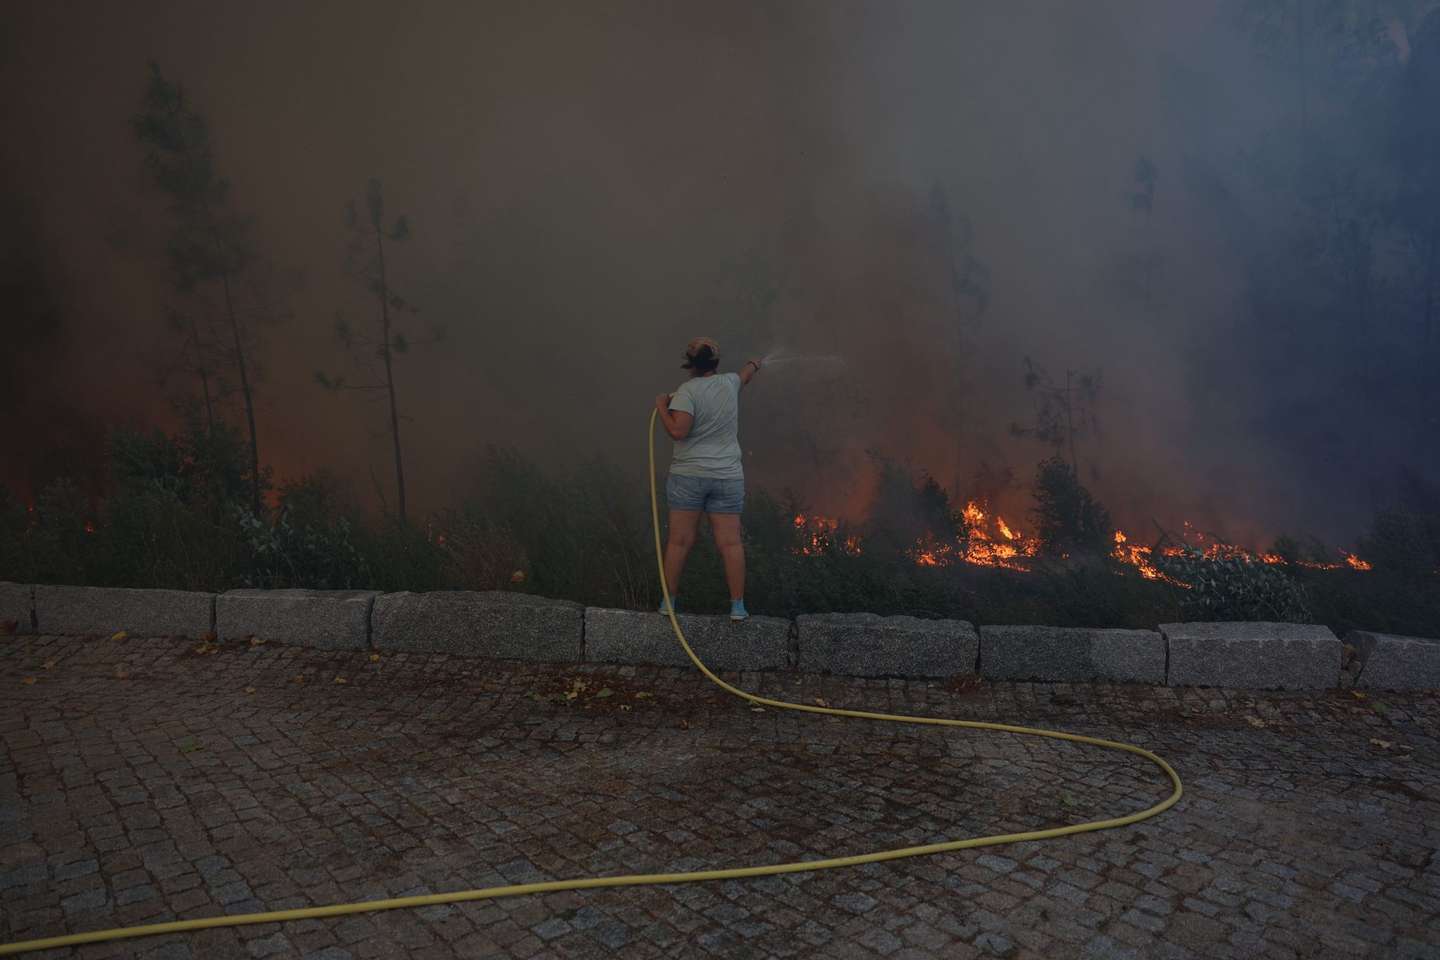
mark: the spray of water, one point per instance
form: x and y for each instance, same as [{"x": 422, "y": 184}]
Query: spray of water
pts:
[{"x": 829, "y": 363}]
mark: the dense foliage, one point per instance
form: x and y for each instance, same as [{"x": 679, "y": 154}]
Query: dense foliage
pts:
[{"x": 177, "y": 515}]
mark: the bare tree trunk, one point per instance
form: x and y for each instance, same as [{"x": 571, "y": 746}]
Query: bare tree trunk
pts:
[
  {"x": 1070, "y": 424},
  {"x": 1149, "y": 262},
  {"x": 245, "y": 392},
  {"x": 1074, "y": 460},
  {"x": 1426, "y": 386},
  {"x": 1430, "y": 289},
  {"x": 1304, "y": 85},
  {"x": 204, "y": 378},
  {"x": 390, "y": 377},
  {"x": 955, "y": 498}
]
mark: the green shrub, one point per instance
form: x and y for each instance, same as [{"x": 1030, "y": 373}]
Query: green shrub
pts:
[
  {"x": 1236, "y": 589},
  {"x": 1404, "y": 542},
  {"x": 59, "y": 545},
  {"x": 1068, "y": 519},
  {"x": 906, "y": 507},
  {"x": 581, "y": 534},
  {"x": 12, "y": 532},
  {"x": 152, "y": 537}
]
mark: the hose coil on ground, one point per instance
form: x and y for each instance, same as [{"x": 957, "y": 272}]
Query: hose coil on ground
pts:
[{"x": 642, "y": 879}]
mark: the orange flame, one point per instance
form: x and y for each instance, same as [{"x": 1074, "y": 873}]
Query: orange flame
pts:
[
  {"x": 1139, "y": 557},
  {"x": 1216, "y": 549},
  {"x": 1007, "y": 547},
  {"x": 974, "y": 544}
]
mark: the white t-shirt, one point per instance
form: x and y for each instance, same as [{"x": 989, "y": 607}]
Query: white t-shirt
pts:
[{"x": 713, "y": 447}]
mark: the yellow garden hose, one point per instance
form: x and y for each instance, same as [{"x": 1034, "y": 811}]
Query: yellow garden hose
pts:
[{"x": 641, "y": 879}]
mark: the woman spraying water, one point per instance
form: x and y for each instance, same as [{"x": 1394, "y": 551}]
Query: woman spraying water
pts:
[{"x": 706, "y": 476}]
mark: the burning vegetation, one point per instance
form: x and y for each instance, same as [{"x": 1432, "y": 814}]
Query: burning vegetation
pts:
[
  {"x": 984, "y": 539},
  {"x": 980, "y": 540},
  {"x": 178, "y": 517},
  {"x": 1068, "y": 521},
  {"x": 819, "y": 535}
]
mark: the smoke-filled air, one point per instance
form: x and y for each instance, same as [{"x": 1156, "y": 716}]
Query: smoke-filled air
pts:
[{"x": 1087, "y": 313}]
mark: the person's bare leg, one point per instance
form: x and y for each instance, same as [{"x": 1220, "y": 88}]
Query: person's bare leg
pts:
[
  {"x": 726, "y": 527},
  {"x": 683, "y": 524}
]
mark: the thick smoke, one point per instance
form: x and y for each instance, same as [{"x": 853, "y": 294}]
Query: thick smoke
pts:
[{"x": 592, "y": 185}]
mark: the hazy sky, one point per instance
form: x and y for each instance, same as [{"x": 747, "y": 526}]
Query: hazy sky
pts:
[{"x": 591, "y": 185}]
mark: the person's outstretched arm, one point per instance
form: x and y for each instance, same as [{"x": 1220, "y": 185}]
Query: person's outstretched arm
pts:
[
  {"x": 677, "y": 423},
  {"x": 747, "y": 372}
]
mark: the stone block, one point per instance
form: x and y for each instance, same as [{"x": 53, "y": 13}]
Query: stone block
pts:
[
  {"x": 1254, "y": 655},
  {"x": 322, "y": 619},
  {"x": 1389, "y": 662},
  {"x": 868, "y": 645},
  {"x": 1071, "y": 655},
  {"x": 17, "y": 605},
  {"x": 491, "y": 624},
  {"x": 86, "y": 611},
  {"x": 632, "y": 636}
]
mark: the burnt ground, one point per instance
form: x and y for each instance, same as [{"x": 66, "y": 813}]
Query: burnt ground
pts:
[{"x": 144, "y": 780}]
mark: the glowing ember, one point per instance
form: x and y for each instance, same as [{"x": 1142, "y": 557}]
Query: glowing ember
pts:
[
  {"x": 1356, "y": 563},
  {"x": 89, "y": 526},
  {"x": 818, "y": 535},
  {"x": 929, "y": 551}
]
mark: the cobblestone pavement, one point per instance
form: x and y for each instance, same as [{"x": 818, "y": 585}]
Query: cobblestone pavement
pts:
[{"x": 145, "y": 780}]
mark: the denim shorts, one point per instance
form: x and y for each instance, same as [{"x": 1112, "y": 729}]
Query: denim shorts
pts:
[{"x": 705, "y": 494}]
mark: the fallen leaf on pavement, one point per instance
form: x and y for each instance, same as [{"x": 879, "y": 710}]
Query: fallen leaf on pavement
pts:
[
  {"x": 1256, "y": 722},
  {"x": 374, "y": 658},
  {"x": 121, "y": 635},
  {"x": 28, "y": 681},
  {"x": 50, "y": 664},
  {"x": 603, "y": 693},
  {"x": 341, "y": 680},
  {"x": 249, "y": 689},
  {"x": 1382, "y": 744}
]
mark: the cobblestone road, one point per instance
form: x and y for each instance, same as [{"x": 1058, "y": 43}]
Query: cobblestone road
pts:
[{"x": 144, "y": 780}]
